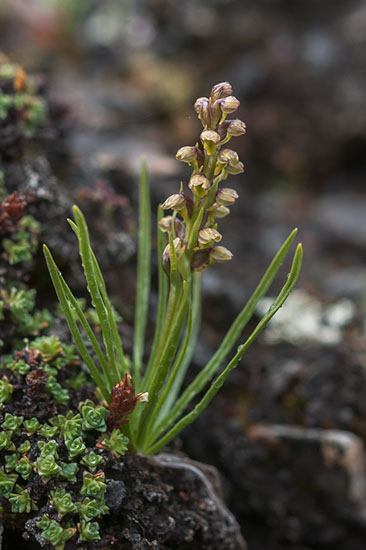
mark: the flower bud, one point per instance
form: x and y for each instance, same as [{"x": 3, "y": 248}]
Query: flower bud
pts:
[
  {"x": 200, "y": 260},
  {"x": 226, "y": 196},
  {"x": 199, "y": 184},
  {"x": 209, "y": 236},
  {"x": 187, "y": 154},
  {"x": 218, "y": 210},
  {"x": 236, "y": 168},
  {"x": 229, "y": 104},
  {"x": 202, "y": 109},
  {"x": 177, "y": 246},
  {"x": 236, "y": 127},
  {"x": 210, "y": 139},
  {"x": 221, "y": 90},
  {"x": 220, "y": 254},
  {"x": 165, "y": 224},
  {"x": 175, "y": 202},
  {"x": 228, "y": 155}
]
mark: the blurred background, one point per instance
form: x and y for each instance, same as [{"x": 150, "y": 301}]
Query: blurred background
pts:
[{"x": 121, "y": 78}]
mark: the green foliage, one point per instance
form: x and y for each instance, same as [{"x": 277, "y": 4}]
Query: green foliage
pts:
[
  {"x": 23, "y": 244},
  {"x": 6, "y": 389},
  {"x": 53, "y": 533},
  {"x": 68, "y": 471},
  {"x": 93, "y": 417},
  {"x": 89, "y": 509},
  {"x": 47, "y": 467},
  {"x": 32, "y": 425},
  {"x": 88, "y": 531},
  {"x": 48, "y": 448},
  {"x": 93, "y": 485},
  {"x": 92, "y": 460},
  {"x": 24, "y": 448},
  {"x": 63, "y": 503},
  {"x": 75, "y": 446},
  {"x": 10, "y": 462},
  {"x": 7, "y": 482},
  {"x": 48, "y": 431},
  {"x": 116, "y": 443},
  {"x": 70, "y": 426},
  {"x": 12, "y": 422},
  {"x": 50, "y": 347},
  {"x": 21, "y": 501},
  {"x": 6, "y": 442},
  {"x": 24, "y": 468}
]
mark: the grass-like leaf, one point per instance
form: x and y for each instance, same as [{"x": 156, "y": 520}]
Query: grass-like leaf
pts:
[
  {"x": 143, "y": 273},
  {"x": 277, "y": 304}
]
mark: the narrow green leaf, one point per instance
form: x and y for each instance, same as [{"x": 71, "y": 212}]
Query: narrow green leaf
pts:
[
  {"x": 162, "y": 302},
  {"x": 277, "y": 304},
  {"x": 230, "y": 338},
  {"x": 93, "y": 287},
  {"x": 186, "y": 352},
  {"x": 143, "y": 273},
  {"x": 56, "y": 279},
  {"x": 165, "y": 361}
]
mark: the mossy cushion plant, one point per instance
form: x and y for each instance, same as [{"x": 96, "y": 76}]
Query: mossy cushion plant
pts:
[
  {"x": 187, "y": 245},
  {"x": 52, "y": 464}
]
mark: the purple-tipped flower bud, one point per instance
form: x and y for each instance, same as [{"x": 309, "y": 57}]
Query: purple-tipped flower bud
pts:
[
  {"x": 223, "y": 89},
  {"x": 175, "y": 202},
  {"x": 187, "y": 154},
  {"x": 228, "y": 155},
  {"x": 166, "y": 254},
  {"x": 209, "y": 236},
  {"x": 165, "y": 224},
  {"x": 229, "y": 104},
  {"x": 234, "y": 169},
  {"x": 236, "y": 128},
  {"x": 210, "y": 139},
  {"x": 202, "y": 109},
  {"x": 199, "y": 184},
  {"x": 220, "y": 254},
  {"x": 226, "y": 196}
]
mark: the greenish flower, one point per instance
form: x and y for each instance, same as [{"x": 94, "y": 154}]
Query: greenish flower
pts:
[
  {"x": 24, "y": 468},
  {"x": 21, "y": 501},
  {"x": 93, "y": 485},
  {"x": 75, "y": 446},
  {"x": 88, "y": 531},
  {"x": 10, "y": 462},
  {"x": 7, "y": 482},
  {"x": 49, "y": 448},
  {"x": 89, "y": 509},
  {"x": 31, "y": 426},
  {"x": 47, "y": 467},
  {"x": 48, "y": 431},
  {"x": 93, "y": 417},
  {"x": 6, "y": 442},
  {"x": 91, "y": 460},
  {"x": 68, "y": 471},
  {"x": 116, "y": 443},
  {"x": 63, "y": 503},
  {"x": 24, "y": 448},
  {"x": 12, "y": 422}
]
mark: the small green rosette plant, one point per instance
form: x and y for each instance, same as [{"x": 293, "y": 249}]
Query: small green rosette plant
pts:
[{"x": 187, "y": 244}]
